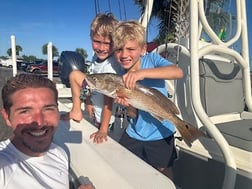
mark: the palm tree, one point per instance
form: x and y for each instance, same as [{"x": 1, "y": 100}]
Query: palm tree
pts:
[
  {"x": 164, "y": 12},
  {"x": 30, "y": 58},
  {"x": 55, "y": 52},
  {"x": 82, "y": 51},
  {"x": 174, "y": 18},
  {"x": 18, "y": 49}
]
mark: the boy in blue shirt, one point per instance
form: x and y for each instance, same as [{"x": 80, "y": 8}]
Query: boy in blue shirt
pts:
[{"x": 147, "y": 137}]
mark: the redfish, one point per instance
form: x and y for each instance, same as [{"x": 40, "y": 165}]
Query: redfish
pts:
[{"x": 146, "y": 99}]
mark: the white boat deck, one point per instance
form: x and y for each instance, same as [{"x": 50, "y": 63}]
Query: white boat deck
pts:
[
  {"x": 106, "y": 165},
  {"x": 63, "y": 91}
]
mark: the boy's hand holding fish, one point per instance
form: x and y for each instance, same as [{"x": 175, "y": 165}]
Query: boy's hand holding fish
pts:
[{"x": 129, "y": 80}]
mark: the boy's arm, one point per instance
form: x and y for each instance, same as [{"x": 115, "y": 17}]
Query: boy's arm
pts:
[
  {"x": 106, "y": 113},
  {"x": 164, "y": 72},
  {"x": 102, "y": 133}
]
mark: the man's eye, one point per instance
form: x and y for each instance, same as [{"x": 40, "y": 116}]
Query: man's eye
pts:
[
  {"x": 51, "y": 108},
  {"x": 23, "y": 111}
]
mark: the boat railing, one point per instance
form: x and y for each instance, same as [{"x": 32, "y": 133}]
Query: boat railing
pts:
[
  {"x": 49, "y": 58},
  {"x": 217, "y": 47}
]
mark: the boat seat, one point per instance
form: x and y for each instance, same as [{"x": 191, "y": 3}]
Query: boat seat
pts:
[{"x": 221, "y": 89}]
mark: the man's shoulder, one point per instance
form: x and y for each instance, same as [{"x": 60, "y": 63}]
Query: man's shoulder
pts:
[
  {"x": 4, "y": 144},
  {"x": 7, "y": 153},
  {"x": 57, "y": 151},
  {"x": 56, "y": 148}
]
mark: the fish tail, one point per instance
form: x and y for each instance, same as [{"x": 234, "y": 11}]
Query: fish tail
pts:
[{"x": 188, "y": 132}]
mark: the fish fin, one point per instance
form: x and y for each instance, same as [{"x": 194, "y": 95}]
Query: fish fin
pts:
[{"x": 188, "y": 132}]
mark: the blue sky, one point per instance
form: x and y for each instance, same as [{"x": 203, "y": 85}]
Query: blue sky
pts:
[{"x": 65, "y": 23}]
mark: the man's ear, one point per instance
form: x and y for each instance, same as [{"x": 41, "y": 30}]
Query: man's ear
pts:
[{"x": 6, "y": 117}]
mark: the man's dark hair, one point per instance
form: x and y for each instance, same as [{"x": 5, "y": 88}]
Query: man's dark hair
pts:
[{"x": 23, "y": 81}]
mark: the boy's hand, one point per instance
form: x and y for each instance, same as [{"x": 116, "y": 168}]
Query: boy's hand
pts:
[
  {"x": 131, "y": 77},
  {"x": 99, "y": 136},
  {"x": 121, "y": 100}
]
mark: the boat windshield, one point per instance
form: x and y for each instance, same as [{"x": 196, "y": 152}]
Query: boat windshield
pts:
[{"x": 222, "y": 18}]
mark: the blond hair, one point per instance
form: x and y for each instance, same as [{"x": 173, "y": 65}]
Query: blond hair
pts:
[
  {"x": 126, "y": 31},
  {"x": 103, "y": 25}
]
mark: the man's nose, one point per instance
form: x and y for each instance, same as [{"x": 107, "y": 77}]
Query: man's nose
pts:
[{"x": 39, "y": 118}]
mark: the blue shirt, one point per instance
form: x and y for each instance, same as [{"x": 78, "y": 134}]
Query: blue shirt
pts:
[{"x": 145, "y": 127}]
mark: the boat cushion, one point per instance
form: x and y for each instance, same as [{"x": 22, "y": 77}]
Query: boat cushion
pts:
[
  {"x": 221, "y": 90},
  {"x": 221, "y": 87}
]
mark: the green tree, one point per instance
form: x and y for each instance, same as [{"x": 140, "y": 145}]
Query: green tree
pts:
[
  {"x": 30, "y": 58},
  {"x": 55, "y": 52},
  {"x": 174, "y": 18},
  {"x": 162, "y": 11},
  {"x": 18, "y": 50},
  {"x": 82, "y": 51}
]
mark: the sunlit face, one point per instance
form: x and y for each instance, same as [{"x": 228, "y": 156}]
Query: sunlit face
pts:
[
  {"x": 34, "y": 119},
  {"x": 129, "y": 55},
  {"x": 102, "y": 46}
]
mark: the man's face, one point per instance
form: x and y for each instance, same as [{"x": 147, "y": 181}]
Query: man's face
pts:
[
  {"x": 102, "y": 46},
  {"x": 34, "y": 118}
]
